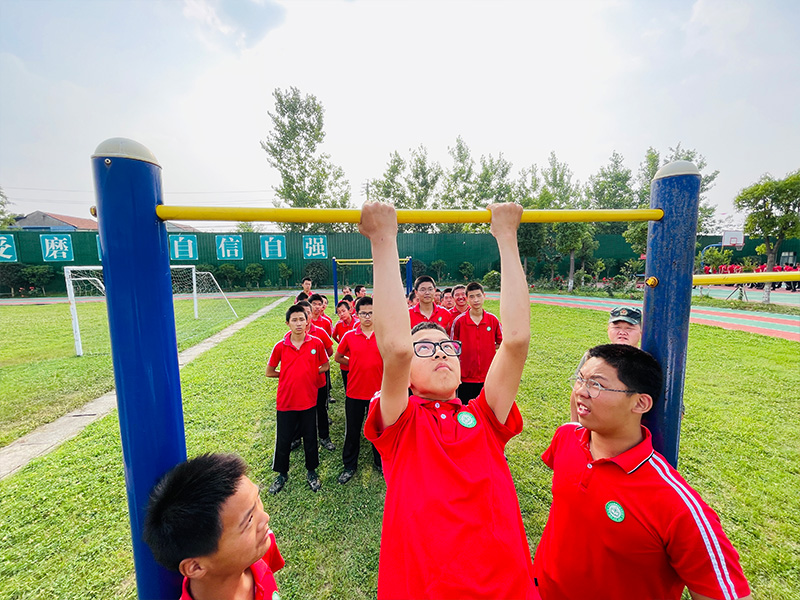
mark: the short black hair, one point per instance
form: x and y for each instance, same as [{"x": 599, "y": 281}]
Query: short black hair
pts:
[
  {"x": 636, "y": 369},
  {"x": 460, "y": 286},
  {"x": 366, "y": 300},
  {"x": 423, "y": 279},
  {"x": 183, "y": 513},
  {"x": 315, "y": 298},
  {"x": 358, "y": 288},
  {"x": 344, "y": 303},
  {"x": 428, "y": 325},
  {"x": 300, "y": 307},
  {"x": 347, "y": 297},
  {"x": 447, "y": 291},
  {"x": 304, "y": 279},
  {"x": 301, "y": 296},
  {"x": 473, "y": 286},
  {"x": 411, "y": 295}
]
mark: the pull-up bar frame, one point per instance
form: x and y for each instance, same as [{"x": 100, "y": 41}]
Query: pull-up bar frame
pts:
[
  {"x": 135, "y": 247},
  {"x": 335, "y": 262}
]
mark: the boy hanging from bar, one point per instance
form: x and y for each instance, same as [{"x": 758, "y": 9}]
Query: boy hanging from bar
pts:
[{"x": 448, "y": 486}]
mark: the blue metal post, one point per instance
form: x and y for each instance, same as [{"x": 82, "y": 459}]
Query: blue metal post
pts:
[
  {"x": 409, "y": 275},
  {"x": 143, "y": 344},
  {"x": 670, "y": 259},
  {"x": 335, "y": 284}
]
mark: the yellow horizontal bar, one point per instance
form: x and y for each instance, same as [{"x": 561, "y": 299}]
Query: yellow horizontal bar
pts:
[
  {"x": 722, "y": 279},
  {"x": 361, "y": 261},
  {"x": 353, "y": 215}
]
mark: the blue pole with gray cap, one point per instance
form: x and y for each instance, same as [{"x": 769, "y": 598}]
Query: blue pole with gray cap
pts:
[
  {"x": 141, "y": 322},
  {"x": 668, "y": 295}
]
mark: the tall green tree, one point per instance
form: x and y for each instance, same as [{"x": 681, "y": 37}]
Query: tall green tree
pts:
[
  {"x": 773, "y": 213},
  {"x": 636, "y": 231},
  {"x": 422, "y": 186},
  {"x": 390, "y": 188},
  {"x": 6, "y": 217},
  {"x": 308, "y": 177},
  {"x": 705, "y": 218},
  {"x": 557, "y": 178},
  {"x": 493, "y": 184},
  {"x": 611, "y": 188},
  {"x": 530, "y": 236},
  {"x": 459, "y": 185}
]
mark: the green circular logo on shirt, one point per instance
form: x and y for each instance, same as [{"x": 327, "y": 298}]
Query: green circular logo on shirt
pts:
[
  {"x": 313, "y": 352},
  {"x": 440, "y": 319},
  {"x": 467, "y": 419},
  {"x": 276, "y": 595},
  {"x": 488, "y": 328},
  {"x": 615, "y": 512}
]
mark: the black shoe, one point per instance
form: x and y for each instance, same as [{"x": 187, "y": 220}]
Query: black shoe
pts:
[
  {"x": 278, "y": 484},
  {"x": 327, "y": 444},
  {"x": 295, "y": 445},
  {"x": 331, "y": 399},
  {"x": 346, "y": 475},
  {"x": 313, "y": 481}
]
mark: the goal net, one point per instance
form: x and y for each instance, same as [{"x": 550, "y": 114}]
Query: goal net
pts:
[{"x": 201, "y": 307}]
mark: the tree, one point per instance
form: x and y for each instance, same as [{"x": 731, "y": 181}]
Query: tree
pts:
[
  {"x": 390, "y": 187},
  {"x": 438, "y": 266},
  {"x": 38, "y": 276},
  {"x": 308, "y": 177},
  {"x": 230, "y": 274},
  {"x": 284, "y": 272},
  {"x": 636, "y": 232},
  {"x": 254, "y": 273},
  {"x": 467, "y": 270},
  {"x": 569, "y": 238},
  {"x": 773, "y": 213},
  {"x": 318, "y": 271},
  {"x": 611, "y": 188},
  {"x": 6, "y": 217},
  {"x": 705, "y": 219},
  {"x": 459, "y": 185},
  {"x": 715, "y": 258},
  {"x": 247, "y": 227},
  {"x": 530, "y": 236},
  {"x": 422, "y": 186},
  {"x": 11, "y": 276},
  {"x": 558, "y": 181}
]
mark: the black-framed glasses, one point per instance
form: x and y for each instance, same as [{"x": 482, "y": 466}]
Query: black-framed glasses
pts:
[
  {"x": 365, "y": 315},
  {"x": 426, "y": 349},
  {"x": 594, "y": 387}
]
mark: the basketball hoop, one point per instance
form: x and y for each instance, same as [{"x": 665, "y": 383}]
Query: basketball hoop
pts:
[{"x": 733, "y": 238}]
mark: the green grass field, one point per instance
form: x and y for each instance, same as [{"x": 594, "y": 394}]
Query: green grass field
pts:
[
  {"x": 67, "y": 511},
  {"x": 41, "y": 376}
]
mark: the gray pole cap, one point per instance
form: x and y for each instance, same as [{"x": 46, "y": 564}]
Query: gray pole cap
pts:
[
  {"x": 125, "y": 148},
  {"x": 678, "y": 167}
]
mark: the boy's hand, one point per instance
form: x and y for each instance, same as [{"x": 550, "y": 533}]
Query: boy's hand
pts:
[
  {"x": 378, "y": 221},
  {"x": 506, "y": 217}
]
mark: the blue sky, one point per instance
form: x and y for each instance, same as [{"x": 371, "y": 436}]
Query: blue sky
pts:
[{"x": 193, "y": 80}]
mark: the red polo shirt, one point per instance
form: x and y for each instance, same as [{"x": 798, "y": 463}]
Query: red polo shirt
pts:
[
  {"x": 629, "y": 527},
  {"x": 366, "y": 364},
  {"x": 449, "y": 495},
  {"x": 455, "y": 312},
  {"x": 327, "y": 342},
  {"x": 298, "y": 379},
  {"x": 262, "y": 570},
  {"x": 338, "y": 333},
  {"x": 478, "y": 342},
  {"x": 440, "y": 316},
  {"x": 323, "y": 323}
]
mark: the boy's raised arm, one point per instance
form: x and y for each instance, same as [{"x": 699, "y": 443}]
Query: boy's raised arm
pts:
[
  {"x": 392, "y": 324},
  {"x": 502, "y": 380}
]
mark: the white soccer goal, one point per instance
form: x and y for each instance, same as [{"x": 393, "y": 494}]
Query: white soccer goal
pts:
[{"x": 198, "y": 301}]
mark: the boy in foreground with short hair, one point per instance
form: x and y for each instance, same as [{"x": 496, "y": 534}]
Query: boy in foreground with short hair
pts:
[
  {"x": 480, "y": 334},
  {"x": 623, "y": 523},
  {"x": 302, "y": 359},
  {"x": 205, "y": 520},
  {"x": 448, "y": 487}
]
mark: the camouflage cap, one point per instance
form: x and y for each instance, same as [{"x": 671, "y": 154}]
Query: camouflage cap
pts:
[{"x": 629, "y": 314}]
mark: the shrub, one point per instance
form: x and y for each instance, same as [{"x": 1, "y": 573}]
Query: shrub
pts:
[
  {"x": 38, "y": 276},
  {"x": 418, "y": 268},
  {"x": 254, "y": 272},
  {"x": 492, "y": 280},
  {"x": 318, "y": 271},
  {"x": 230, "y": 274},
  {"x": 439, "y": 266},
  {"x": 206, "y": 268},
  {"x": 467, "y": 270},
  {"x": 284, "y": 272},
  {"x": 11, "y": 276}
]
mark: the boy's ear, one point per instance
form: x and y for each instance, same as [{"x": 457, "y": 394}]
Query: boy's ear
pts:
[
  {"x": 192, "y": 568},
  {"x": 643, "y": 404}
]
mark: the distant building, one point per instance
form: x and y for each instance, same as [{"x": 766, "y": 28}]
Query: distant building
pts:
[{"x": 42, "y": 221}]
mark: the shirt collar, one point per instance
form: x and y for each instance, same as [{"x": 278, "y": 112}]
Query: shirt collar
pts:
[
  {"x": 287, "y": 339},
  {"x": 455, "y": 404},
  {"x": 628, "y": 461}
]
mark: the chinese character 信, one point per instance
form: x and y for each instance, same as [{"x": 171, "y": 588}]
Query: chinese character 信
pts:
[{"x": 229, "y": 247}]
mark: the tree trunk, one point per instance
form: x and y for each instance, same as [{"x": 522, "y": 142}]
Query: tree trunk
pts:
[
  {"x": 571, "y": 283},
  {"x": 525, "y": 268},
  {"x": 767, "y": 284}
]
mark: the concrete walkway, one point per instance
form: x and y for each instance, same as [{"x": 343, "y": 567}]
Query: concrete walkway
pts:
[{"x": 48, "y": 437}]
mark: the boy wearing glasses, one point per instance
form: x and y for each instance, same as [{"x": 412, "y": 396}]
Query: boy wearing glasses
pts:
[
  {"x": 623, "y": 522},
  {"x": 448, "y": 487},
  {"x": 358, "y": 351},
  {"x": 427, "y": 310}
]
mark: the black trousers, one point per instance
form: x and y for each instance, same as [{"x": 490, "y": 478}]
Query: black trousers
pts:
[
  {"x": 344, "y": 380},
  {"x": 290, "y": 423},
  {"x": 355, "y": 411},
  {"x": 323, "y": 428},
  {"x": 468, "y": 391}
]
